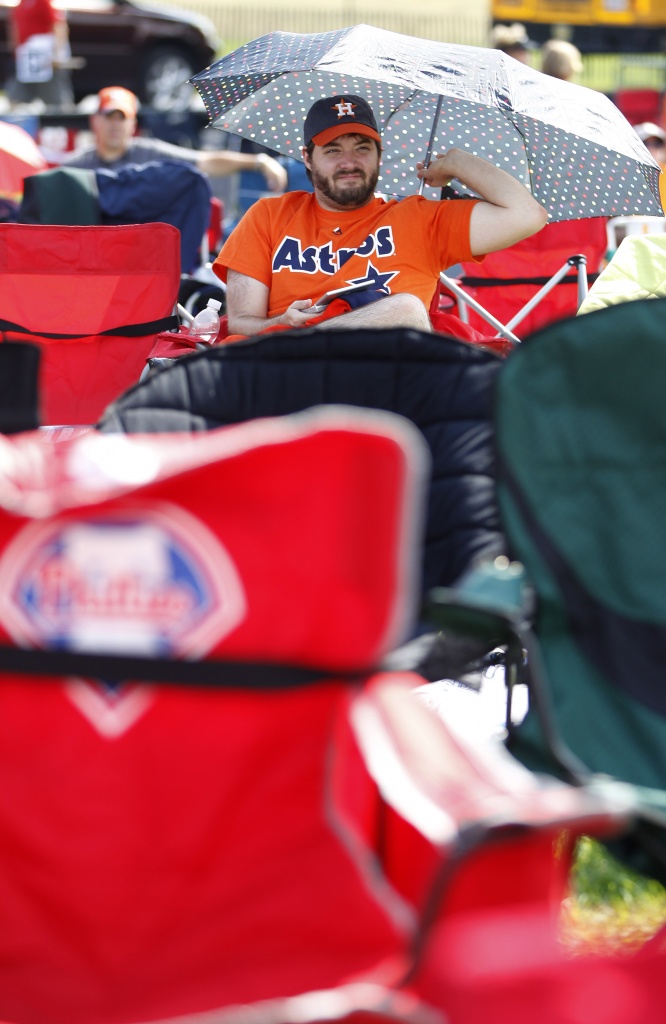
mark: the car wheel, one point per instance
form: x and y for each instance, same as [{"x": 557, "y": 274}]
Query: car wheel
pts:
[{"x": 165, "y": 76}]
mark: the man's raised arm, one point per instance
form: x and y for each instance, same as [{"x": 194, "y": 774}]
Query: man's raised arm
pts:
[{"x": 509, "y": 211}]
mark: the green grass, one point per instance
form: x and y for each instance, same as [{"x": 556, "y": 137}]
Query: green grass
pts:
[{"x": 611, "y": 909}]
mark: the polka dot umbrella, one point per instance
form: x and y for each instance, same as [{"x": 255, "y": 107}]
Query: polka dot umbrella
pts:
[{"x": 570, "y": 145}]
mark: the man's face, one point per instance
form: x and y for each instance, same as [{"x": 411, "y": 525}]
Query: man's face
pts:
[
  {"x": 344, "y": 171},
  {"x": 113, "y": 131}
]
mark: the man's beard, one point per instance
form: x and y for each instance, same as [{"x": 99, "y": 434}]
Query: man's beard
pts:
[{"x": 346, "y": 195}]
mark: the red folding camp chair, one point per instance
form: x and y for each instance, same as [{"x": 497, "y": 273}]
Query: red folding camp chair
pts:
[
  {"x": 270, "y": 830},
  {"x": 94, "y": 299},
  {"x": 181, "y": 851},
  {"x": 530, "y": 284},
  {"x": 639, "y": 104},
  {"x": 170, "y": 345}
]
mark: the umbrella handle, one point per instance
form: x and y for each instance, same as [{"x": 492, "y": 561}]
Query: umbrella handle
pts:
[{"x": 431, "y": 140}]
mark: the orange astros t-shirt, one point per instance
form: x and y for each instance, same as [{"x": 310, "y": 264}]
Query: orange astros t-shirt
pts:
[{"x": 301, "y": 251}]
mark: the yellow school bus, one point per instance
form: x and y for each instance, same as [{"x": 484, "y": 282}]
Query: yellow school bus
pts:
[{"x": 594, "y": 26}]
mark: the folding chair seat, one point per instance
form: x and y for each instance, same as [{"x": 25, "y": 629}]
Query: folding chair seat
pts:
[
  {"x": 213, "y": 234},
  {"x": 580, "y": 438},
  {"x": 636, "y": 271},
  {"x": 508, "y": 280},
  {"x": 446, "y": 321},
  {"x": 94, "y": 300},
  {"x": 171, "y": 346},
  {"x": 639, "y": 105},
  {"x": 586, "y": 527},
  {"x": 213, "y": 806},
  {"x": 181, "y": 851},
  {"x": 168, "y": 192},
  {"x": 441, "y": 384}
]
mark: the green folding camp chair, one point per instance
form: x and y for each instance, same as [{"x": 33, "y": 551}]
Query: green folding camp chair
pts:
[{"x": 581, "y": 442}]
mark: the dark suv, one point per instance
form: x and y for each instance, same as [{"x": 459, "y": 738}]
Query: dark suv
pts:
[{"x": 150, "y": 50}]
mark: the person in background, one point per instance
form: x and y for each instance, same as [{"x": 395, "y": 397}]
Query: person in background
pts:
[
  {"x": 561, "y": 59},
  {"x": 286, "y": 253},
  {"x": 514, "y": 40},
  {"x": 116, "y": 145},
  {"x": 40, "y": 42},
  {"x": 654, "y": 138}
]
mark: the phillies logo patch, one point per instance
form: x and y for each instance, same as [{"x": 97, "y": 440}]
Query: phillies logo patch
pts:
[{"x": 151, "y": 581}]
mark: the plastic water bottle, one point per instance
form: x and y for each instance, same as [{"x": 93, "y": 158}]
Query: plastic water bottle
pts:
[{"x": 206, "y": 325}]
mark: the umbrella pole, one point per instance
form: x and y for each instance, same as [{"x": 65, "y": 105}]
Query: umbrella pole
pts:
[{"x": 431, "y": 140}]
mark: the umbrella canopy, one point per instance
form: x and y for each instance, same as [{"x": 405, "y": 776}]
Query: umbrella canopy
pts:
[
  {"x": 19, "y": 157},
  {"x": 569, "y": 145}
]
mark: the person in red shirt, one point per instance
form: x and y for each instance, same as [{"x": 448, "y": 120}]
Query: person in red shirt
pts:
[
  {"x": 286, "y": 253},
  {"x": 40, "y": 41}
]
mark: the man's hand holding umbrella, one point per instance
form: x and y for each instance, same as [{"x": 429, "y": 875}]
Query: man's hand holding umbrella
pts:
[
  {"x": 509, "y": 212},
  {"x": 570, "y": 146}
]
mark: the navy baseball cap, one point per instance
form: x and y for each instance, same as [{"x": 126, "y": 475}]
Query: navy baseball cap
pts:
[{"x": 339, "y": 115}]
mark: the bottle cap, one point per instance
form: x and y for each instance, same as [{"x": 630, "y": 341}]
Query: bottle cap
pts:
[{"x": 214, "y": 304}]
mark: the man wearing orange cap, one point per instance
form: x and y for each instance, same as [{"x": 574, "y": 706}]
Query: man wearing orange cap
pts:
[
  {"x": 116, "y": 145},
  {"x": 286, "y": 253}
]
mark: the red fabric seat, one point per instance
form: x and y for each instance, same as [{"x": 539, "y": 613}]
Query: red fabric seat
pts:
[
  {"x": 214, "y": 230},
  {"x": 84, "y": 281},
  {"x": 540, "y": 256},
  {"x": 172, "y": 850},
  {"x": 171, "y": 345},
  {"x": 180, "y": 851},
  {"x": 639, "y": 105}
]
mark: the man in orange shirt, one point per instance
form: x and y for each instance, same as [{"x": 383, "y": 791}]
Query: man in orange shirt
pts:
[{"x": 288, "y": 252}]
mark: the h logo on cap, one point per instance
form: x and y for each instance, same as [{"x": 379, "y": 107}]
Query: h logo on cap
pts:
[{"x": 344, "y": 108}]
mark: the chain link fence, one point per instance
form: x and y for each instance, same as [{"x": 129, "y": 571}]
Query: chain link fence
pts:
[
  {"x": 445, "y": 20},
  {"x": 239, "y": 24}
]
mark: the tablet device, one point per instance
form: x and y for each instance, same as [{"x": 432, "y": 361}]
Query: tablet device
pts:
[{"x": 339, "y": 293}]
